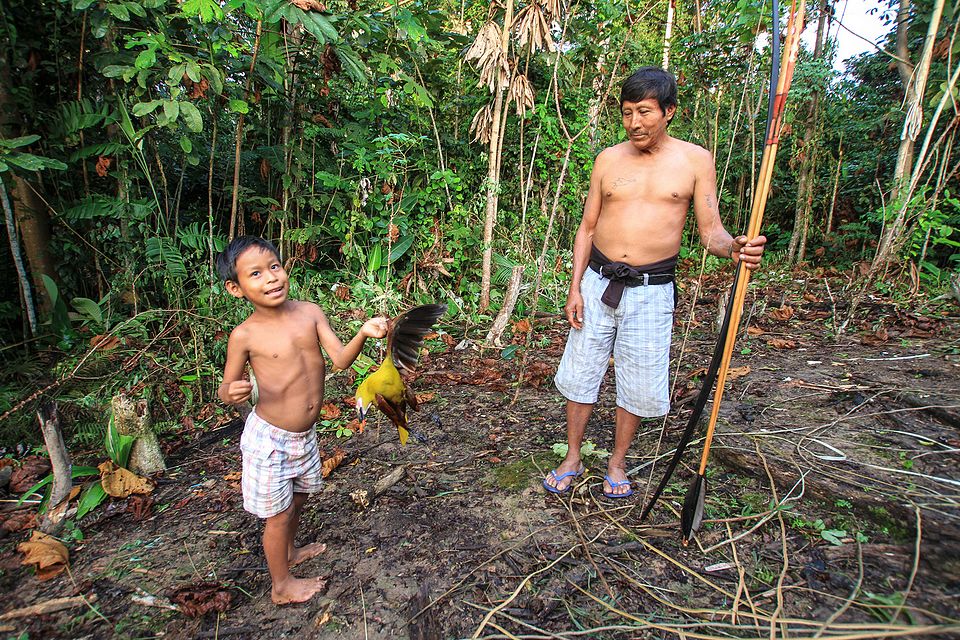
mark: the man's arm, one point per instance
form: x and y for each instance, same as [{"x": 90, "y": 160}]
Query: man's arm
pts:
[
  {"x": 234, "y": 389},
  {"x": 583, "y": 243},
  {"x": 343, "y": 355},
  {"x": 706, "y": 207}
]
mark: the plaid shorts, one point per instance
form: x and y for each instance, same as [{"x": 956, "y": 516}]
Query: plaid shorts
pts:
[
  {"x": 637, "y": 333},
  {"x": 276, "y": 464}
]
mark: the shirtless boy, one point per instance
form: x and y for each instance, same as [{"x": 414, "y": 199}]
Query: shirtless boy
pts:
[
  {"x": 633, "y": 219},
  {"x": 281, "y": 341}
]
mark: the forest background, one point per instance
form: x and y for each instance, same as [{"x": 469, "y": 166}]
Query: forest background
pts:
[{"x": 415, "y": 152}]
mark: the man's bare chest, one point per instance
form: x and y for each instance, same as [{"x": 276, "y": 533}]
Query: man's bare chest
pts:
[{"x": 663, "y": 183}]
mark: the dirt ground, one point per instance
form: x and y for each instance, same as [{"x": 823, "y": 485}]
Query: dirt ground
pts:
[{"x": 832, "y": 504}]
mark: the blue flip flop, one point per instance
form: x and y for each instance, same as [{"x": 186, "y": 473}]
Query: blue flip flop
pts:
[
  {"x": 559, "y": 478},
  {"x": 614, "y": 485}
]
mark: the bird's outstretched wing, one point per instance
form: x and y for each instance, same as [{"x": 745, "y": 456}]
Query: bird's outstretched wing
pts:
[{"x": 407, "y": 331}]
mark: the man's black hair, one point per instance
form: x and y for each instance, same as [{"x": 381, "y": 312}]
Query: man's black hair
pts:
[
  {"x": 650, "y": 82},
  {"x": 227, "y": 259}
]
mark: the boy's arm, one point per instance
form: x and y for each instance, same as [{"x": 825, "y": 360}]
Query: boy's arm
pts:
[
  {"x": 234, "y": 389},
  {"x": 342, "y": 356}
]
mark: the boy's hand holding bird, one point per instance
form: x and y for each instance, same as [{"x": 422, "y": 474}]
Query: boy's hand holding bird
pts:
[
  {"x": 375, "y": 327},
  {"x": 385, "y": 387}
]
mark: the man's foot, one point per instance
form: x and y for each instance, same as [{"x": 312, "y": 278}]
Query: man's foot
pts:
[
  {"x": 296, "y": 590},
  {"x": 307, "y": 551},
  {"x": 561, "y": 479},
  {"x": 616, "y": 484}
]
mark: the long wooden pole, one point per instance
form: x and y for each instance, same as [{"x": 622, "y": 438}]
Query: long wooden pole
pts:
[{"x": 791, "y": 50}]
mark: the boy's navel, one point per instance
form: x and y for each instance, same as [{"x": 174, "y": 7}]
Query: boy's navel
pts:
[{"x": 276, "y": 355}]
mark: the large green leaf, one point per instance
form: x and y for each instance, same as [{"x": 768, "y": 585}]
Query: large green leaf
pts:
[
  {"x": 91, "y": 499},
  {"x": 191, "y": 116},
  {"x": 400, "y": 247},
  {"x": 75, "y": 472},
  {"x": 118, "y": 445}
]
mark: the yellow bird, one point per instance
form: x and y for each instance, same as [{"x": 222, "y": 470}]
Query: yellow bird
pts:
[{"x": 385, "y": 386}]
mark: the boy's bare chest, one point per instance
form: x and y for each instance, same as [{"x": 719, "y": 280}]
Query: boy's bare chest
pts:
[{"x": 282, "y": 344}]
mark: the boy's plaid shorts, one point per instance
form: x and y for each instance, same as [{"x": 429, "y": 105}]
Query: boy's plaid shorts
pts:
[{"x": 276, "y": 464}]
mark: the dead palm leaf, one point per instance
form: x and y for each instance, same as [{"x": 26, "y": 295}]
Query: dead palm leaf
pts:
[
  {"x": 488, "y": 54},
  {"x": 482, "y": 125},
  {"x": 532, "y": 28},
  {"x": 521, "y": 94}
]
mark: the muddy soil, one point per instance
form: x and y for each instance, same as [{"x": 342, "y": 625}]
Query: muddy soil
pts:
[{"x": 832, "y": 503}]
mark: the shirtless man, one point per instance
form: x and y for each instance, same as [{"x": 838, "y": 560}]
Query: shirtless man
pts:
[
  {"x": 621, "y": 295},
  {"x": 281, "y": 342}
]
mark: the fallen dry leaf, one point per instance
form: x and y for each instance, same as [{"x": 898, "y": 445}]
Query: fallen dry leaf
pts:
[
  {"x": 329, "y": 411},
  {"x": 877, "y": 337},
  {"x": 333, "y": 461},
  {"x": 46, "y": 552},
  {"x": 120, "y": 483},
  {"x": 20, "y": 520},
  {"x": 30, "y": 471},
  {"x": 809, "y": 297},
  {"x": 198, "y": 599},
  {"x": 521, "y": 326},
  {"x": 754, "y": 330},
  {"x": 233, "y": 476},
  {"x": 105, "y": 342},
  {"x": 423, "y": 398},
  {"x": 393, "y": 232},
  {"x": 782, "y": 314},
  {"x": 782, "y": 343},
  {"x": 737, "y": 372}
]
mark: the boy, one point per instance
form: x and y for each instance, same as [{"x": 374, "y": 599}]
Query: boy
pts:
[{"x": 281, "y": 340}]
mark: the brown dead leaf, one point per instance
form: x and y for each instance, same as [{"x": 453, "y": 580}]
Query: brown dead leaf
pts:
[
  {"x": 233, "y": 476},
  {"x": 103, "y": 166},
  {"x": 139, "y": 506},
  {"x": 423, "y": 398},
  {"x": 29, "y": 473},
  {"x": 754, "y": 330},
  {"x": 809, "y": 297},
  {"x": 521, "y": 326},
  {"x": 879, "y": 336},
  {"x": 196, "y": 600},
  {"x": 309, "y": 5},
  {"x": 355, "y": 425},
  {"x": 699, "y": 371},
  {"x": 737, "y": 372},
  {"x": 20, "y": 520},
  {"x": 448, "y": 339},
  {"x": 120, "y": 483},
  {"x": 104, "y": 342},
  {"x": 782, "y": 343},
  {"x": 342, "y": 292},
  {"x": 50, "y": 556},
  {"x": 329, "y": 411},
  {"x": 393, "y": 232},
  {"x": 782, "y": 314},
  {"x": 333, "y": 461}
]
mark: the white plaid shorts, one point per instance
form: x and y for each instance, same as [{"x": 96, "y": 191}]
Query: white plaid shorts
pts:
[
  {"x": 637, "y": 333},
  {"x": 276, "y": 464}
]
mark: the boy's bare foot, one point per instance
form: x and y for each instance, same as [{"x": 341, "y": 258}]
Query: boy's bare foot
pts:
[
  {"x": 296, "y": 590},
  {"x": 307, "y": 551}
]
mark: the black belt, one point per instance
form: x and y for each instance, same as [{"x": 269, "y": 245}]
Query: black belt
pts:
[{"x": 641, "y": 280}]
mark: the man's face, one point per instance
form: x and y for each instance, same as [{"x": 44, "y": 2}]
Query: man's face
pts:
[
  {"x": 645, "y": 123},
  {"x": 260, "y": 278}
]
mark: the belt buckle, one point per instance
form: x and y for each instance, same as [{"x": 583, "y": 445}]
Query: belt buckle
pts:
[{"x": 646, "y": 279}]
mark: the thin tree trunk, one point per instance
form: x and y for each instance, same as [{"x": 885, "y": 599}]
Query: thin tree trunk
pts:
[
  {"x": 33, "y": 220},
  {"x": 238, "y": 138},
  {"x": 805, "y": 185},
  {"x": 52, "y": 521},
  {"x": 836, "y": 187},
  {"x": 905, "y": 69},
  {"x": 892, "y": 237},
  {"x": 668, "y": 33},
  {"x": 493, "y": 170},
  {"x": 18, "y": 260}
]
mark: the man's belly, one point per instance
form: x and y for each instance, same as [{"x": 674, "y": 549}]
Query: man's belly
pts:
[{"x": 638, "y": 238}]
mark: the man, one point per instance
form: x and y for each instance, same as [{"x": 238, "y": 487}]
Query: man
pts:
[{"x": 621, "y": 296}]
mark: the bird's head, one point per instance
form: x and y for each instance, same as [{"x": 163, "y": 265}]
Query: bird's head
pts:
[{"x": 364, "y": 399}]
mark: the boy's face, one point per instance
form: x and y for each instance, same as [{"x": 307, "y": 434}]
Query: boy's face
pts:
[{"x": 260, "y": 278}]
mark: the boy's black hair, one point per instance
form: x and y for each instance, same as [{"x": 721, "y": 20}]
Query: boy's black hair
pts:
[
  {"x": 227, "y": 259},
  {"x": 650, "y": 82}
]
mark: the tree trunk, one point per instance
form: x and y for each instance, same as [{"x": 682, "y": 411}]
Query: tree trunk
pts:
[
  {"x": 668, "y": 33},
  {"x": 34, "y": 221},
  {"x": 25, "y": 289},
  {"x": 805, "y": 185},
  {"x": 132, "y": 418},
  {"x": 493, "y": 170},
  {"x": 893, "y": 235},
  {"x": 905, "y": 69},
  {"x": 52, "y": 521}
]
